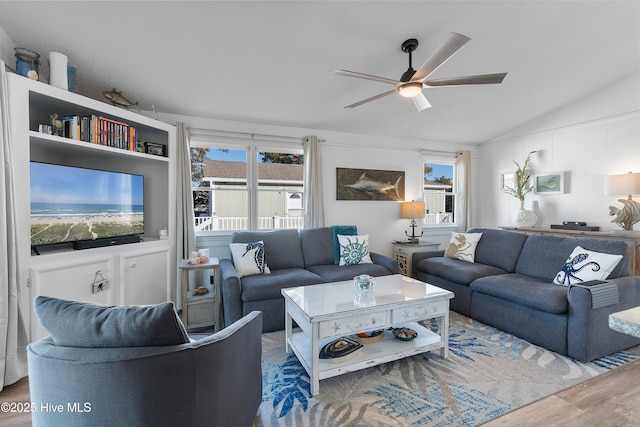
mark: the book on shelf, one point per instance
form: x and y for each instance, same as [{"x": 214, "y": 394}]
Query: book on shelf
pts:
[{"x": 100, "y": 130}]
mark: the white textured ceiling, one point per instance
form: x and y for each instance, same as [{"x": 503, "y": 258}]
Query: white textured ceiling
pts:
[{"x": 272, "y": 62}]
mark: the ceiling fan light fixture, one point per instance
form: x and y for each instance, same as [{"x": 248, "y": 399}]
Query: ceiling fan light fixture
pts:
[{"x": 411, "y": 89}]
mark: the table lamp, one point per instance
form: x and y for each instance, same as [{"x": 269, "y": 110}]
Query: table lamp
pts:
[
  {"x": 412, "y": 210},
  {"x": 625, "y": 184}
]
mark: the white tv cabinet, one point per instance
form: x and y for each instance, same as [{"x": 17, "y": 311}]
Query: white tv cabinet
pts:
[{"x": 136, "y": 273}]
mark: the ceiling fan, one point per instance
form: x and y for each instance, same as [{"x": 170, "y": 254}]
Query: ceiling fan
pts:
[{"x": 412, "y": 82}]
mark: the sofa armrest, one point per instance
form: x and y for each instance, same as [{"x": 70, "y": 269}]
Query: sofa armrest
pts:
[
  {"x": 385, "y": 261},
  {"x": 589, "y": 335},
  {"x": 419, "y": 256},
  {"x": 230, "y": 292}
]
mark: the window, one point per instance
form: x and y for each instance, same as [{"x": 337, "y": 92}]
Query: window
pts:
[
  {"x": 439, "y": 192},
  {"x": 252, "y": 188}
]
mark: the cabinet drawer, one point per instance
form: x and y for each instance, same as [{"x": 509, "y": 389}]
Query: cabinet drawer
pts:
[
  {"x": 418, "y": 311},
  {"x": 353, "y": 325},
  {"x": 400, "y": 250}
]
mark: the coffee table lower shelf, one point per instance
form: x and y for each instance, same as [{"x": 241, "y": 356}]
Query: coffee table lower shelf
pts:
[{"x": 388, "y": 349}]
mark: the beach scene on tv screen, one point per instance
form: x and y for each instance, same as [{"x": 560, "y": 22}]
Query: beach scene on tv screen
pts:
[{"x": 70, "y": 204}]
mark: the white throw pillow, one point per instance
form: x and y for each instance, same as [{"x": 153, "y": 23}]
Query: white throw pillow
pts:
[
  {"x": 584, "y": 265},
  {"x": 463, "y": 246},
  {"x": 248, "y": 258},
  {"x": 354, "y": 250}
]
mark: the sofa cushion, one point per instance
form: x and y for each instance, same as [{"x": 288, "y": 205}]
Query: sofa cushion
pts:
[
  {"x": 463, "y": 246},
  {"x": 499, "y": 248},
  {"x": 318, "y": 246},
  {"x": 344, "y": 230},
  {"x": 523, "y": 290},
  {"x": 454, "y": 270},
  {"x": 354, "y": 250},
  {"x": 334, "y": 273},
  {"x": 268, "y": 286},
  {"x": 584, "y": 265},
  {"x": 543, "y": 256},
  {"x": 282, "y": 248},
  {"x": 79, "y": 324},
  {"x": 248, "y": 258}
]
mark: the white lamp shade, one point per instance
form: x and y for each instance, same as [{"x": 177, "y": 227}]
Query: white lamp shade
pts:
[
  {"x": 412, "y": 209},
  {"x": 627, "y": 184}
]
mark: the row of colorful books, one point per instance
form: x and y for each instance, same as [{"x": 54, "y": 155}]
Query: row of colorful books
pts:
[{"x": 100, "y": 130}]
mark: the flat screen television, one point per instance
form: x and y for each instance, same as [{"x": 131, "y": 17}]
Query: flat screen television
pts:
[{"x": 84, "y": 207}]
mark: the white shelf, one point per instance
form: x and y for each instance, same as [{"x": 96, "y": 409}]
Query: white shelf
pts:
[
  {"x": 388, "y": 349},
  {"x": 67, "y": 146}
]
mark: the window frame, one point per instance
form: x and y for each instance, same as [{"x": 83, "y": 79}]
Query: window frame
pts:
[
  {"x": 440, "y": 160},
  {"x": 252, "y": 147}
]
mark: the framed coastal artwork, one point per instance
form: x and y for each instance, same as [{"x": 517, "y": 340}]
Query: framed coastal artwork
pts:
[
  {"x": 369, "y": 184},
  {"x": 549, "y": 183}
]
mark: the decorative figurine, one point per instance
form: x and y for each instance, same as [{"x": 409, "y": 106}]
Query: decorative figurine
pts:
[
  {"x": 56, "y": 124},
  {"x": 116, "y": 98}
]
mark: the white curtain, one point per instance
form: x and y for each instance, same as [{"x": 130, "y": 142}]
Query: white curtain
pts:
[
  {"x": 313, "y": 196},
  {"x": 185, "y": 233},
  {"x": 13, "y": 337},
  {"x": 463, "y": 199}
]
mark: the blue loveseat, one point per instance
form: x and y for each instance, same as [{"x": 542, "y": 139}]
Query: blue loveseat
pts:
[
  {"x": 295, "y": 258},
  {"x": 509, "y": 286}
]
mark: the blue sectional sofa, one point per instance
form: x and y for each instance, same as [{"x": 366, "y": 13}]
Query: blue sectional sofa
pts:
[
  {"x": 295, "y": 258},
  {"x": 509, "y": 286}
]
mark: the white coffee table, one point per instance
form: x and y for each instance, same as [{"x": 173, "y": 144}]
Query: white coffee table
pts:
[{"x": 330, "y": 310}]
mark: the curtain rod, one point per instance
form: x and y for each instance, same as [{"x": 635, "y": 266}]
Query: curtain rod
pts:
[
  {"x": 437, "y": 152},
  {"x": 245, "y": 135}
]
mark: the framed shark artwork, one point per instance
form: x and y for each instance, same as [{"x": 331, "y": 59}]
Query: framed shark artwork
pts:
[{"x": 369, "y": 184}]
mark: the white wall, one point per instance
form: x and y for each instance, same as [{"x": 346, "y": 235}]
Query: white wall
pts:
[
  {"x": 380, "y": 219},
  {"x": 596, "y": 136},
  {"x": 6, "y": 50}
]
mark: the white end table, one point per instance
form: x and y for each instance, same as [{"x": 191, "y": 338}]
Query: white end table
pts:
[
  {"x": 403, "y": 253},
  {"x": 200, "y": 310}
]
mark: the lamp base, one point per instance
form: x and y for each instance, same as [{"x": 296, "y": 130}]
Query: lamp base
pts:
[{"x": 413, "y": 238}]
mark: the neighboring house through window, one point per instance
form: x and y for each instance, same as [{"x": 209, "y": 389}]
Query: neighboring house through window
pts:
[
  {"x": 253, "y": 188},
  {"x": 439, "y": 192}
]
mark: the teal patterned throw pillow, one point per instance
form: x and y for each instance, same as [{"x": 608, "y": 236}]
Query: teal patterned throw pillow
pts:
[{"x": 354, "y": 250}]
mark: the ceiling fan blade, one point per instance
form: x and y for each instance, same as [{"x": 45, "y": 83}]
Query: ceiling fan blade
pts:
[
  {"x": 366, "y": 76},
  {"x": 421, "y": 102},
  {"x": 441, "y": 55},
  {"x": 373, "y": 98},
  {"x": 481, "y": 79}
]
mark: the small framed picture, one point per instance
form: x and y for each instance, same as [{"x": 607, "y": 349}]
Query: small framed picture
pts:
[
  {"x": 507, "y": 180},
  {"x": 549, "y": 183},
  {"x": 155, "y": 149}
]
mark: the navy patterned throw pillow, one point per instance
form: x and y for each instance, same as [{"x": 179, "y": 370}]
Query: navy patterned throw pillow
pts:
[
  {"x": 248, "y": 258},
  {"x": 584, "y": 265}
]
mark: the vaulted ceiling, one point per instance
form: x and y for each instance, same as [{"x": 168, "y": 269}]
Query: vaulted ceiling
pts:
[{"x": 272, "y": 62}]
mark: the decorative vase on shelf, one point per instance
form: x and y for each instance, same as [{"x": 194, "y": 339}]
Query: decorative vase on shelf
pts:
[{"x": 524, "y": 217}]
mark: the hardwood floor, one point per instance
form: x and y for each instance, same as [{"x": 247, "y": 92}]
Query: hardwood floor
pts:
[{"x": 612, "y": 399}]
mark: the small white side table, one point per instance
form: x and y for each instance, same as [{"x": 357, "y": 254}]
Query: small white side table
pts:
[
  {"x": 403, "y": 253},
  {"x": 200, "y": 310}
]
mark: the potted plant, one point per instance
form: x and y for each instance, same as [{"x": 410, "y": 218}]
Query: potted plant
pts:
[{"x": 520, "y": 189}]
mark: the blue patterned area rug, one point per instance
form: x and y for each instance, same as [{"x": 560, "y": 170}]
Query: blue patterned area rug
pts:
[{"x": 487, "y": 374}]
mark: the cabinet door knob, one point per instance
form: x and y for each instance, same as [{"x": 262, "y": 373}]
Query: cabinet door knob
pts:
[{"x": 134, "y": 265}]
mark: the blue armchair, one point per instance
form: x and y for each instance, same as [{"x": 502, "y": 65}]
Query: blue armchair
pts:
[{"x": 214, "y": 381}]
